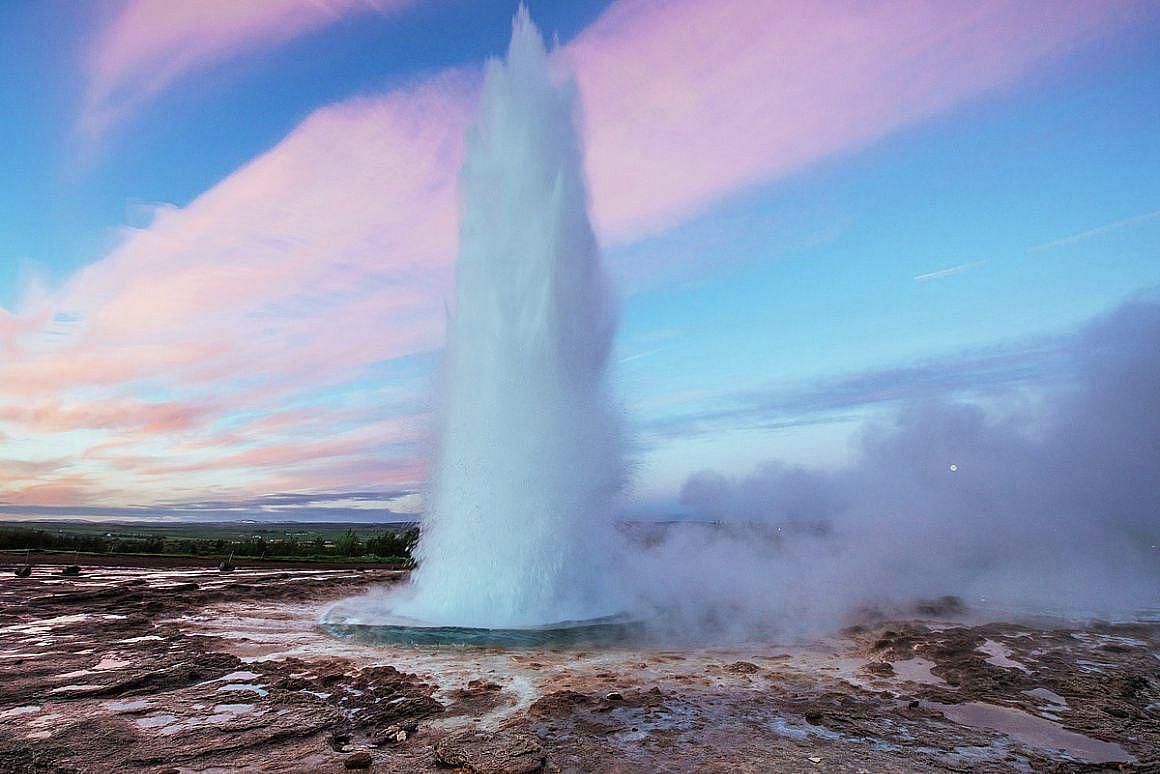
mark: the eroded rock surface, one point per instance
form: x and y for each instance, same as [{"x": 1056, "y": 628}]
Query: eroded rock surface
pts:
[{"x": 189, "y": 670}]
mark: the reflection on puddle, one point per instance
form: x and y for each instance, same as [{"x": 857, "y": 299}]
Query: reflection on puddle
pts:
[
  {"x": 999, "y": 655},
  {"x": 127, "y": 706},
  {"x": 244, "y": 687},
  {"x": 1032, "y": 731},
  {"x": 77, "y": 688},
  {"x": 155, "y": 721},
  {"x": 171, "y": 725},
  {"x": 916, "y": 670},
  {"x": 239, "y": 676},
  {"x": 1051, "y": 697}
]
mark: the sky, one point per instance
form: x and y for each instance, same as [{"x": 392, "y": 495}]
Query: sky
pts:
[{"x": 228, "y": 231}]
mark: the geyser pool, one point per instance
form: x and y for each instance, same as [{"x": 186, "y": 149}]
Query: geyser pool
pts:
[
  {"x": 518, "y": 531},
  {"x": 610, "y": 630}
]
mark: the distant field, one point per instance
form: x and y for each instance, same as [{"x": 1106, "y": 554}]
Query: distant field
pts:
[{"x": 286, "y": 540}]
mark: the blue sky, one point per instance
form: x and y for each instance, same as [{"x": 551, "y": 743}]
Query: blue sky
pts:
[{"x": 976, "y": 199}]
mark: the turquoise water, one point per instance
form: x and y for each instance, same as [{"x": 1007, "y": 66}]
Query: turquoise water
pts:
[{"x": 610, "y": 630}]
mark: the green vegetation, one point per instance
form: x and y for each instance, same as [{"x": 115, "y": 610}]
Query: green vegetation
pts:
[{"x": 310, "y": 542}]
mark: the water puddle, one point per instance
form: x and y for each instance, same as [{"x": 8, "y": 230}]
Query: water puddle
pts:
[
  {"x": 155, "y": 721},
  {"x": 1000, "y": 655},
  {"x": 245, "y": 687},
  {"x": 1033, "y": 731},
  {"x": 916, "y": 670},
  {"x": 78, "y": 688},
  {"x": 1051, "y": 697},
  {"x": 136, "y": 705},
  {"x": 240, "y": 676}
]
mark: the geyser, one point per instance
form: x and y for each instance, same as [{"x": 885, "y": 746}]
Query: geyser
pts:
[{"x": 518, "y": 530}]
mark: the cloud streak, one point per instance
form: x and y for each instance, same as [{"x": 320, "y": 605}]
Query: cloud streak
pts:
[
  {"x": 848, "y": 397},
  {"x": 146, "y": 47},
  {"x": 948, "y": 272},
  {"x": 1097, "y": 231}
]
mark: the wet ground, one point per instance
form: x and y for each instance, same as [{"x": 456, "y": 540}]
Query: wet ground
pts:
[{"x": 191, "y": 670}]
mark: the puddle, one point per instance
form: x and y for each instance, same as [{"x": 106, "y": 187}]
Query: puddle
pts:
[
  {"x": 224, "y": 713},
  {"x": 26, "y": 709},
  {"x": 1033, "y": 731},
  {"x": 240, "y": 676},
  {"x": 916, "y": 670},
  {"x": 78, "y": 688},
  {"x": 1051, "y": 697},
  {"x": 1000, "y": 655},
  {"x": 135, "y": 705},
  {"x": 44, "y": 720},
  {"x": 155, "y": 721},
  {"x": 244, "y": 687},
  {"x": 1086, "y": 666}
]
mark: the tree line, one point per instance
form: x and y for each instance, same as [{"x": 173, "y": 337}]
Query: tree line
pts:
[{"x": 384, "y": 546}]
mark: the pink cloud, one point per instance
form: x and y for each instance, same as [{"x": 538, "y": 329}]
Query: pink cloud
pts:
[
  {"x": 50, "y": 416},
  {"x": 686, "y": 102},
  {"x": 147, "y": 45},
  {"x": 63, "y": 489}
]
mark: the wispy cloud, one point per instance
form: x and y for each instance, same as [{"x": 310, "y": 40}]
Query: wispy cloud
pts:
[
  {"x": 353, "y": 506},
  {"x": 933, "y": 275},
  {"x": 700, "y": 100},
  {"x": 148, "y": 45},
  {"x": 846, "y": 397},
  {"x": 1098, "y": 230}
]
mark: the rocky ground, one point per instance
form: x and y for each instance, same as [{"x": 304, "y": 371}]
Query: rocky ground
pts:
[{"x": 191, "y": 670}]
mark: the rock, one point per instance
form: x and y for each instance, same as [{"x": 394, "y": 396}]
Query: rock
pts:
[
  {"x": 360, "y": 760},
  {"x": 393, "y": 734},
  {"x": 493, "y": 753},
  {"x": 482, "y": 685},
  {"x": 943, "y": 606},
  {"x": 613, "y": 696},
  {"x": 741, "y": 668},
  {"x": 880, "y": 668},
  {"x": 558, "y": 703}
]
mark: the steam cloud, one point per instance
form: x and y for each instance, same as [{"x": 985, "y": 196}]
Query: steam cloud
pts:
[{"x": 1052, "y": 507}]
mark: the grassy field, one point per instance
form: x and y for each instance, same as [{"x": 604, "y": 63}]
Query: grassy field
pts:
[{"x": 305, "y": 541}]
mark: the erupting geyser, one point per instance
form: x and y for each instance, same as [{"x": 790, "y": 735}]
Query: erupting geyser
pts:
[{"x": 518, "y": 529}]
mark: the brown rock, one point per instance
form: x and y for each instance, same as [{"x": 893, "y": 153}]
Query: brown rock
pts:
[
  {"x": 741, "y": 668},
  {"x": 360, "y": 760},
  {"x": 491, "y": 753},
  {"x": 558, "y": 703}
]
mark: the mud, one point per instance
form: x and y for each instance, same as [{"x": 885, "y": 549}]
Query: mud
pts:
[{"x": 183, "y": 670}]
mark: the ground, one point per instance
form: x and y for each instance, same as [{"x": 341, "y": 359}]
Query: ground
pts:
[{"x": 165, "y": 669}]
